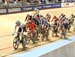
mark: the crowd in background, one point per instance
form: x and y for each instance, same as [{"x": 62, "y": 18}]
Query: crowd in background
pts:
[{"x": 18, "y": 3}]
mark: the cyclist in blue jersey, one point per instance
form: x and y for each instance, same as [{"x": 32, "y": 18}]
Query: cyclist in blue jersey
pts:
[{"x": 45, "y": 28}]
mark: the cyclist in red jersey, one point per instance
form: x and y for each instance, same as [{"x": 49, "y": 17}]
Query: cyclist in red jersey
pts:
[{"x": 32, "y": 27}]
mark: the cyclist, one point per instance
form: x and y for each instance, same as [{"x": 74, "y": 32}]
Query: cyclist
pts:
[
  {"x": 63, "y": 32},
  {"x": 48, "y": 17},
  {"x": 36, "y": 16},
  {"x": 21, "y": 28},
  {"x": 54, "y": 19},
  {"x": 62, "y": 16},
  {"x": 36, "y": 12},
  {"x": 32, "y": 27},
  {"x": 55, "y": 25},
  {"x": 66, "y": 24},
  {"x": 45, "y": 27},
  {"x": 73, "y": 21},
  {"x": 28, "y": 17}
]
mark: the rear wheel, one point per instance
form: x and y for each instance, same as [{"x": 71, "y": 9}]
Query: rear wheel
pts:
[{"x": 24, "y": 41}]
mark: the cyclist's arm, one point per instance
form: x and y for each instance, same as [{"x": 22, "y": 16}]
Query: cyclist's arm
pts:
[{"x": 14, "y": 30}]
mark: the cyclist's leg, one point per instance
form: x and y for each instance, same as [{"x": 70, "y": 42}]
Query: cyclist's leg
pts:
[
  {"x": 32, "y": 36},
  {"x": 47, "y": 34},
  {"x": 56, "y": 32}
]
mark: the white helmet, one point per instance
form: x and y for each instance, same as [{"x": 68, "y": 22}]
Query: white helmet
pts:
[
  {"x": 35, "y": 9},
  {"x": 18, "y": 22}
]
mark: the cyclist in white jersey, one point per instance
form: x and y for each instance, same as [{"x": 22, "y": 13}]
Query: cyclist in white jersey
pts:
[{"x": 21, "y": 28}]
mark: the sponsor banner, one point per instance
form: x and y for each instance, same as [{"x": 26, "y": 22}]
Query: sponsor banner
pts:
[
  {"x": 3, "y": 11},
  {"x": 29, "y": 8},
  {"x": 11, "y": 10},
  {"x": 67, "y": 4},
  {"x": 51, "y": 6},
  {"x": 55, "y": 5},
  {"x": 41, "y": 7}
]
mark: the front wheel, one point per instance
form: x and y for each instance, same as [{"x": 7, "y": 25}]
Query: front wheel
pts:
[{"x": 16, "y": 43}]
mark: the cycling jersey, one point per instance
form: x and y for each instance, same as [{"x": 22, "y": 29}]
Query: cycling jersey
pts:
[
  {"x": 28, "y": 17},
  {"x": 55, "y": 19},
  {"x": 45, "y": 22},
  {"x": 32, "y": 26},
  {"x": 21, "y": 28},
  {"x": 65, "y": 24},
  {"x": 48, "y": 17}
]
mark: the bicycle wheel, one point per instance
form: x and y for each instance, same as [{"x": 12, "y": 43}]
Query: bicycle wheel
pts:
[
  {"x": 16, "y": 43},
  {"x": 24, "y": 42}
]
